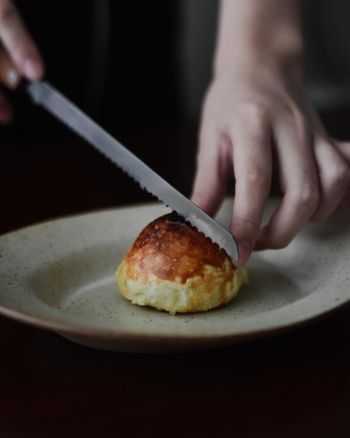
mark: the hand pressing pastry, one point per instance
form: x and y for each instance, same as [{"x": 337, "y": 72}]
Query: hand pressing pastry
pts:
[{"x": 171, "y": 266}]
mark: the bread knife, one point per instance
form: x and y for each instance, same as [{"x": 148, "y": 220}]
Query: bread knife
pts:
[{"x": 46, "y": 95}]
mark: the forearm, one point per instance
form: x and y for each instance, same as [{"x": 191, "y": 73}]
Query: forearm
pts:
[{"x": 258, "y": 30}]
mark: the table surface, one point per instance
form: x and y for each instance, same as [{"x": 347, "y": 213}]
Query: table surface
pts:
[{"x": 295, "y": 384}]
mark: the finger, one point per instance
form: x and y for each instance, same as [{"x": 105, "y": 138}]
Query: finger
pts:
[
  {"x": 5, "y": 110},
  {"x": 334, "y": 178},
  {"x": 299, "y": 182},
  {"x": 9, "y": 76},
  {"x": 18, "y": 43},
  {"x": 252, "y": 168},
  {"x": 213, "y": 166}
]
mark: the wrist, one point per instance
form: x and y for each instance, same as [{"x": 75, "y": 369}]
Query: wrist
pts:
[
  {"x": 264, "y": 60},
  {"x": 259, "y": 35}
]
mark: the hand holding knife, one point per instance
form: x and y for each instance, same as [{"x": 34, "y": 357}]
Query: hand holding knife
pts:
[{"x": 44, "y": 94}]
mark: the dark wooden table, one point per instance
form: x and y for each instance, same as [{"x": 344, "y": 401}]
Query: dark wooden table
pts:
[{"x": 295, "y": 384}]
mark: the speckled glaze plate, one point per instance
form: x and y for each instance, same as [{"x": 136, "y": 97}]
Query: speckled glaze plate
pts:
[{"x": 59, "y": 275}]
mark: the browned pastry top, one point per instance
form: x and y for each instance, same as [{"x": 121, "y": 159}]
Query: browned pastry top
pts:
[{"x": 171, "y": 249}]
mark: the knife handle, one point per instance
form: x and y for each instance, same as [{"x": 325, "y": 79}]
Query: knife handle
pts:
[{"x": 10, "y": 77}]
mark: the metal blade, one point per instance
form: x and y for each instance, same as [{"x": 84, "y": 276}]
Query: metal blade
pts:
[{"x": 44, "y": 94}]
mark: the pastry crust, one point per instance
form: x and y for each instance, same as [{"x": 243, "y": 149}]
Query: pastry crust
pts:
[{"x": 171, "y": 266}]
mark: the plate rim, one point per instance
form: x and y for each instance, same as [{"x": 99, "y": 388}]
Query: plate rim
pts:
[
  {"x": 111, "y": 335},
  {"x": 70, "y": 328}
]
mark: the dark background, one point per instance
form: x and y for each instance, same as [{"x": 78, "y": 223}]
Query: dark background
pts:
[
  {"x": 135, "y": 96},
  {"x": 137, "y": 82}
]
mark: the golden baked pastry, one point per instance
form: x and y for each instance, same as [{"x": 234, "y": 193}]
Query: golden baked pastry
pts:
[{"x": 171, "y": 266}]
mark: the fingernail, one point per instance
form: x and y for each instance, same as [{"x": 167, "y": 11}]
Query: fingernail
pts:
[
  {"x": 32, "y": 69},
  {"x": 12, "y": 77}
]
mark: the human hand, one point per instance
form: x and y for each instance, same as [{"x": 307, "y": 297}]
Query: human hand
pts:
[
  {"x": 19, "y": 55},
  {"x": 253, "y": 116}
]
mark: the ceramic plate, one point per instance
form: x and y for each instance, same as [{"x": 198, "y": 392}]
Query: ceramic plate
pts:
[{"x": 59, "y": 275}]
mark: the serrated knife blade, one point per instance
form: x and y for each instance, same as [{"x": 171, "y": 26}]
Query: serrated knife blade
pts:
[{"x": 52, "y": 100}]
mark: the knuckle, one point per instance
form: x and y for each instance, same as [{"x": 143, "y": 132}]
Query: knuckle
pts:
[
  {"x": 307, "y": 198},
  {"x": 301, "y": 125},
  {"x": 7, "y": 12},
  {"x": 256, "y": 114},
  {"x": 245, "y": 226},
  {"x": 246, "y": 221}
]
